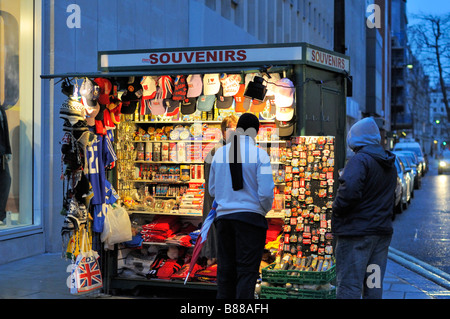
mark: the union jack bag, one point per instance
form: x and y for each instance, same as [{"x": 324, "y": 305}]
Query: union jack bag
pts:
[{"x": 86, "y": 275}]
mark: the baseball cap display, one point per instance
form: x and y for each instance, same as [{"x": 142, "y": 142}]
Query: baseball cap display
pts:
[
  {"x": 180, "y": 88},
  {"x": 157, "y": 104},
  {"x": 148, "y": 84},
  {"x": 258, "y": 106},
  {"x": 205, "y": 103},
  {"x": 172, "y": 107},
  {"x": 188, "y": 105},
  {"x": 223, "y": 102},
  {"x": 239, "y": 99},
  {"x": 211, "y": 84},
  {"x": 105, "y": 88},
  {"x": 230, "y": 84},
  {"x": 89, "y": 92},
  {"x": 134, "y": 90},
  {"x": 285, "y": 128},
  {"x": 195, "y": 85},
  {"x": 284, "y": 92},
  {"x": 284, "y": 113},
  {"x": 165, "y": 82}
]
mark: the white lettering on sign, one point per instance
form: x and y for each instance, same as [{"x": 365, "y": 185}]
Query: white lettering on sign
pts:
[{"x": 330, "y": 60}]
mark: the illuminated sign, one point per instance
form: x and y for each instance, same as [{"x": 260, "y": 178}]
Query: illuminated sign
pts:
[
  {"x": 327, "y": 59},
  {"x": 205, "y": 56}
]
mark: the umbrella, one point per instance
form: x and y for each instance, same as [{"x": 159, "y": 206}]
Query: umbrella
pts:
[{"x": 201, "y": 238}]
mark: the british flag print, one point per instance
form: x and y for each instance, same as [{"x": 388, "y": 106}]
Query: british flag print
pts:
[{"x": 89, "y": 275}]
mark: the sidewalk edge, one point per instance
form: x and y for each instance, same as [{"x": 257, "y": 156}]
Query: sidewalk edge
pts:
[{"x": 431, "y": 273}]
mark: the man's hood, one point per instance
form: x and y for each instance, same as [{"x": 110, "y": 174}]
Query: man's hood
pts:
[{"x": 362, "y": 133}]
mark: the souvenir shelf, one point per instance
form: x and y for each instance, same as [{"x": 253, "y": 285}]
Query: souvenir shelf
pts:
[{"x": 304, "y": 268}]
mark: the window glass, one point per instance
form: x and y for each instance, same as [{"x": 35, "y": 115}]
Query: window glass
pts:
[{"x": 16, "y": 115}]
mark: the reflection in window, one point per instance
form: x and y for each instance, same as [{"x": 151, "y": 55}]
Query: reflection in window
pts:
[{"x": 16, "y": 68}]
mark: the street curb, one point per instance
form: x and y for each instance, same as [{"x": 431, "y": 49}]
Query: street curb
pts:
[{"x": 433, "y": 274}]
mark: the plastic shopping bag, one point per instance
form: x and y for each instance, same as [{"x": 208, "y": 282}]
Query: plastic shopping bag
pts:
[
  {"x": 86, "y": 275},
  {"x": 117, "y": 227}
]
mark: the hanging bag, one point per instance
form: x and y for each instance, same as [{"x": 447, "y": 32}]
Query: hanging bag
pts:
[
  {"x": 86, "y": 275},
  {"x": 117, "y": 227}
]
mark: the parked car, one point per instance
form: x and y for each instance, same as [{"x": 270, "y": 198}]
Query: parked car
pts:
[
  {"x": 408, "y": 167},
  {"x": 415, "y": 165},
  {"x": 406, "y": 184},
  {"x": 398, "y": 205},
  {"x": 414, "y": 147},
  {"x": 444, "y": 162}
]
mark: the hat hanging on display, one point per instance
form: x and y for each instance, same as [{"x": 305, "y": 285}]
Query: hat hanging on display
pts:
[
  {"x": 256, "y": 89},
  {"x": 114, "y": 112},
  {"x": 180, "y": 88},
  {"x": 285, "y": 128},
  {"x": 72, "y": 110},
  {"x": 284, "y": 113},
  {"x": 205, "y": 103},
  {"x": 165, "y": 82},
  {"x": 211, "y": 84},
  {"x": 195, "y": 85},
  {"x": 134, "y": 90},
  {"x": 89, "y": 92},
  {"x": 284, "y": 92},
  {"x": 269, "y": 111},
  {"x": 223, "y": 102},
  {"x": 230, "y": 84},
  {"x": 67, "y": 87},
  {"x": 274, "y": 78},
  {"x": 239, "y": 99},
  {"x": 148, "y": 84},
  {"x": 172, "y": 107},
  {"x": 188, "y": 105},
  {"x": 258, "y": 106},
  {"x": 128, "y": 107},
  {"x": 105, "y": 87},
  {"x": 157, "y": 104}
]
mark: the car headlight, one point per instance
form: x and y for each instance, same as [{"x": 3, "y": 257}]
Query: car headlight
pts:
[{"x": 442, "y": 164}]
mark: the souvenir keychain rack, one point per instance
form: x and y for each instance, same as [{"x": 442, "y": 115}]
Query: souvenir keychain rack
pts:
[{"x": 304, "y": 266}]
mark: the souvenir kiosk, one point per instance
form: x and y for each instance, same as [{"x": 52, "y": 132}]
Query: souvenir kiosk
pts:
[{"x": 162, "y": 115}]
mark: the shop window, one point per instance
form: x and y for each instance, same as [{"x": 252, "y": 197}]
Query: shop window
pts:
[{"x": 16, "y": 117}]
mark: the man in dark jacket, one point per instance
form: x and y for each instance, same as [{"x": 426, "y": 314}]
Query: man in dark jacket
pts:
[{"x": 362, "y": 214}]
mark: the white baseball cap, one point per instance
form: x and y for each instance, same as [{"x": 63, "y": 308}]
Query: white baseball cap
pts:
[
  {"x": 211, "y": 84},
  {"x": 284, "y": 93}
]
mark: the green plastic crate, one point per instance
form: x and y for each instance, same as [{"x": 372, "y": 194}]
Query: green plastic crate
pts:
[
  {"x": 312, "y": 294},
  {"x": 273, "y": 292},
  {"x": 298, "y": 277}
]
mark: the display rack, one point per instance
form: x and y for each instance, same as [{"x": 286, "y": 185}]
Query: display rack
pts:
[{"x": 134, "y": 144}]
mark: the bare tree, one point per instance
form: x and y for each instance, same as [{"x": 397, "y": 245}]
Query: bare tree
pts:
[{"x": 430, "y": 42}]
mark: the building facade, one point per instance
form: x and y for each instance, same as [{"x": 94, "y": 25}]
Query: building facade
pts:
[
  {"x": 440, "y": 128},
  {"x": 60, "y": 36}
]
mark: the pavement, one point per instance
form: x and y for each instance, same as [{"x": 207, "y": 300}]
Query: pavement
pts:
[{"x": 44, "y": 277}]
